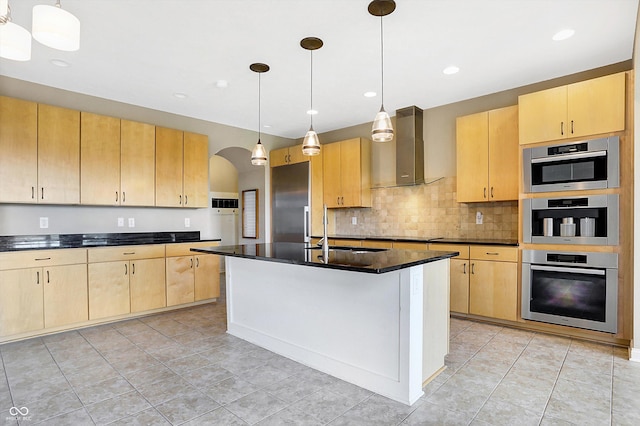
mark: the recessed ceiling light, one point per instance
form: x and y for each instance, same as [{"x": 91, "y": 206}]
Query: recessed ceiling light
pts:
[
  {"x": 222, "y": 84},
  {"x": 370, "y": 94},
  {"x": 312, "y": 112},
  {"x": 563, "y": 34},
  {"x": 60, "y": 63},
  {"x": 180, "y": 95},
  {"x": 451, "y": 69}
]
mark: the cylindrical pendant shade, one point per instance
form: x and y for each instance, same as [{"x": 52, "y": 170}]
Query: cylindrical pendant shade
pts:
[
  {"x": 311, "y": 143},
  {"x": 56, "y": 28},
  {"x": 258, "y": 155},
  {"x": 382, "y": 131},
  {"x": 15, "y": 42}
]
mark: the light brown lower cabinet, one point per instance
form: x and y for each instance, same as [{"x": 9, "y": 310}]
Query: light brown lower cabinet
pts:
[
  {"x": 191, "y": 277},
  {"x": 42, "y": 289},
  {"x": 147, "y": 284},
  {"x": 108, "y": 289},
  {"x": 459, "y": 286},
  {"x": 207, "y": 277},
  {"x": 180, "y": 280}
]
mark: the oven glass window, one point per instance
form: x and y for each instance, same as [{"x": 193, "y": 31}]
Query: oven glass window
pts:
[
  {"x": 575, "y": 295},
  {"x": 578, "y": 170}
]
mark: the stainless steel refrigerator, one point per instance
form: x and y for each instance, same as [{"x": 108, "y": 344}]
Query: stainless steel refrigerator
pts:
[{"x": 290, "y": 203}]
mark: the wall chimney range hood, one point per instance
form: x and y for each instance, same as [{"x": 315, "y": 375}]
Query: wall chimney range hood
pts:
[{"x": 409, "y": 147}]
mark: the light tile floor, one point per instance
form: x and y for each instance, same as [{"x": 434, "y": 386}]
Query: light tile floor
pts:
[{"x": 182, "y": 368}]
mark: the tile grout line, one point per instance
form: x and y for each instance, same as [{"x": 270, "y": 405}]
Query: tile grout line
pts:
[{"x": 555, "y": 382}]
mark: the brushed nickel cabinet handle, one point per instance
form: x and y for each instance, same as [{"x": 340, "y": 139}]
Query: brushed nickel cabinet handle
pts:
[
  {"x": 562, "y": 128},
  {"x": 42, "y": 193},
  {"x": 38, "y": 277},
  {"x": 128, "y": 253},
  {"x": 42, "y": 258},
  {"x": 123, "y": 196},
  {"x": 473, "y": 269},
  {"x": 571, "y": 126},
  {"x": 133, "y": 269},
  {"x": 33, "y": 192},
  {"x": 116, "y": 196},
  {"x": 180, "y": 199},
  {"x": 492, "y": 192},
  {"x": 48, "y": 277},
  {"x": 484, "y": 194},
  {"x": 197, "y": 262},
  {"x": 492, "y": 253},
  {"x": 191, "y": 263},
  {"x": 464, "y": 268},
  {"x": 125, "y": 269},
  {"x": 186, "y": 200}
]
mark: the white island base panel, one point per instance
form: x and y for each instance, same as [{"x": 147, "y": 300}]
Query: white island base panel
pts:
[{"x": 387, "y": 333}]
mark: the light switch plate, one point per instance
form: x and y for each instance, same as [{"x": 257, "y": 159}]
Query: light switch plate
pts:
[
  {"x": 479, "y": 218},
  {"x": 187, "y": 222},
  {"x": 121, "y": 221},
  {"x": 44, "y": 222},
  {"x": 132, "y": 222},
  {"x": 354, "y": 220}
]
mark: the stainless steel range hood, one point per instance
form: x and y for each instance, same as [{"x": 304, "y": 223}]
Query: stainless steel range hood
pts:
[{"x": 409, "y": 146}]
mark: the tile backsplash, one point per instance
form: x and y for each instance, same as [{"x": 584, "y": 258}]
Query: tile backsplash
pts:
[{"x": 428, "y": 211}]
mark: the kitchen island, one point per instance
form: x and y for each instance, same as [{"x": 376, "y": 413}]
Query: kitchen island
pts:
[{"x": 374, "y": 317}]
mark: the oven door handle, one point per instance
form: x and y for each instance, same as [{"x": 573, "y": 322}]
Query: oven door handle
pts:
[
  {"x": 562, "y": 157},
  {"x": 569, "y": 270}
]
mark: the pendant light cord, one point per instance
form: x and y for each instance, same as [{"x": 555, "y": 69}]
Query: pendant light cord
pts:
[
  {"x": 259, "y": 101},
  {"x": 311, "y": 101},
  {"x": 382, "y": 60}
]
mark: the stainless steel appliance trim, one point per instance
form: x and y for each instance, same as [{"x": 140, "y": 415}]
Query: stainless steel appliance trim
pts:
[
  {"x": 594, "y": 259},
  {"x": 526, "y": 220},
  {"x": 569, "y": 270},
  {"x": 611, "y": 307},
  {"x": 593, "y": 201},
  {"x": 307, "y": 232},
  {"x": 611, "y": 145},
  {"x": 579, "y": 155},
  {"x": 613, "y": 219}
]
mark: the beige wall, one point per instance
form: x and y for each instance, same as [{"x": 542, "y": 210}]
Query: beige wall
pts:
[{"x": 223, "y": 175}]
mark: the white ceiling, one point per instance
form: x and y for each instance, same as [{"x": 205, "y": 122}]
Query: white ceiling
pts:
[{"x": 143, "y": 51}]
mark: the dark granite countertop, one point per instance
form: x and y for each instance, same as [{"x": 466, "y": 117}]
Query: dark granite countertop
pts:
[
  {"x": 63, "y": 241},
  {"x": 443, "y": 240},
  {"x": 376, "y": 262}
]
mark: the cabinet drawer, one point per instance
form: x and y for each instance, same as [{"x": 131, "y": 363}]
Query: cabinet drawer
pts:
[
  {"x": 344, "y": 242},
  {"x": 463, "y": 249},
  {"x": 113, "y": 254},
  {"x": 184, "y": 249},
  {"x": 503, "y": 254},
  {"x": 37, "y": 258},
  {"x": 410, "y": 246}
]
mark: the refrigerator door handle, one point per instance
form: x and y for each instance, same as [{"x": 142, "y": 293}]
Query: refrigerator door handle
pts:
[{"x": 307, "y": 237}]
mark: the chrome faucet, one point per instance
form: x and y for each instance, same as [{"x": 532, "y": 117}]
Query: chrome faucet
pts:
[{"x": 324, "y": 242}]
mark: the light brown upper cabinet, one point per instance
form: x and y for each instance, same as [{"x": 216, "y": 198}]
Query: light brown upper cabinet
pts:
[
  {"x": 18, "y": 150},
  {"x": 347, "y": 173},
  {"x": 99, "y": 160},
  {"x": 585, "y": 108},
  {"x": 58, "y": 155},
  {"x": 182, "y": 168},
  {"x": 487, "y": 156},
  {"x": 288, "y": 155},
  {"x": 137, "y": 163}
]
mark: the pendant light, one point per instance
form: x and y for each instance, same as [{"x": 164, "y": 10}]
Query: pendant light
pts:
[
  {"x": 15, "y": 41},
  {"x": 382, "y": 131},
  {"x": 259, "y": 155},
  {"x": 311, "y": 143},
  {"x": 55, "y": 27}
]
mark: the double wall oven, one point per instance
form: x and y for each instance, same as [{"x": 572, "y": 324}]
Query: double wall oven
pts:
[{"x": 571, "y": 287}]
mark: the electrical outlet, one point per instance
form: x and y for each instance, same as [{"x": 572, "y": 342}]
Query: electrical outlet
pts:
[
  {"x": 44, "y": 222},
  {"x": 479, "y": 218},
  {"x": 187, "y": 222},
  {"x": 121, "y": 221},
  {"x": 132, "y": 222},
  {"x": 354, "y": 220}
]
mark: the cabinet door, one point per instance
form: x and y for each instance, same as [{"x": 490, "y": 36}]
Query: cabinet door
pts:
[
  {"x": 21, "y": 302},
  {"x": 296, "y": 155},
  {"x": 331, "y": 175},
  {"x": 543, "y": 115},
  {"x": 169, "y": 156},
  {"x": 503, "y": 154},
  {"x": 108, "y": 289},
  {"x": 18, "y": 150},
  {"x": 147, "y": 284},
  {"x": 65, "y": 295},
  {"x": 459, "y": 286},
  {"x": 472, "y": 158},
  {"x": 58, "y": 155},
  {"x": 350, "y": 173},
  {"x": 493, "y": 289},
  {"x": 596, "y": 106},
  {"x": 279, "y": 157},
  {"x": 99, "y": 159},
  {"x": 196, "y": 170},
  {"x": 180, "y": 280},
  {"x": 137, "y": 163},
  {"x": 207, "y": 276}
]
